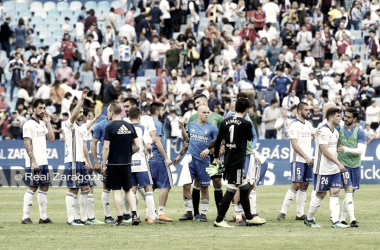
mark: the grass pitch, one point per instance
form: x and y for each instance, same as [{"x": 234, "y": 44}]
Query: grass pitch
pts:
[{"x": 289, "y": 234}]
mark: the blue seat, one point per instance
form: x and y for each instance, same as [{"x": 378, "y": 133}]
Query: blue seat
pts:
[
  {"x": 117, "y": 4},
  {"x": 22, "y": 6},
  {"x": 53, "y": 26},
  {"x": 68, "y": 13},
  {"x": 49, "y": 40},
  {"x": 49, "y": 6},
  {"x": 75, "y": 5},
  {"x": 12, "y": 14},
  {"x": 90, "y": 5},
  {"x": 150, "y": 73},
  {"x": 44, "y": 33},
  {"x": 9, "y": 5},
  {"x": 126, "y": 81},
  {"x": 36, "y": 20},
  {"x": 36, "y": 6},
  {"x": 24, "y": 13},
  {"x": 153, "y": 80},
  {"x": 58, "y": 33},
  {"x": 359, "y": 41},
  {"x": 53, "y": 13},
  {"x": 50, "y": 20},
  {"x": 41, "y": 13},
  {"x": 104, "y": 5},
  {"x": 62, "y": 6}
]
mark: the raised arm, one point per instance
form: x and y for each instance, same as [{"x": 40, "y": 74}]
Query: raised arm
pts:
[
  {"x": 79, "y": 105},
  {"x": 50, "y": 135}
]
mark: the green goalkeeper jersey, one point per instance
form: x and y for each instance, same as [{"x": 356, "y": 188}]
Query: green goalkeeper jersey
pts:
[{"x": 348, "y": 159}]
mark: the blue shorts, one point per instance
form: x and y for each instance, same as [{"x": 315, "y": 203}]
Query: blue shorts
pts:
[
  {"x": 141, "y": 179},
  {"x": 198, "y": 170},
  {"x": 161, "y": 175},
  {"x": 246, "y": 164},
  {"x": 263, "y": 170},
  {"x": 119, "y": 176},
  {"x": 301, "y": 172},
  {"x": 351, "y": 178},
  {"x": 41, "y": 178},
  {"x": 76, "y": 177},
  {"x": 322, "y": 183}
]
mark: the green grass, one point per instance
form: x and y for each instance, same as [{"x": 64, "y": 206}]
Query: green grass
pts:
[{"x": 289, "y": 234}]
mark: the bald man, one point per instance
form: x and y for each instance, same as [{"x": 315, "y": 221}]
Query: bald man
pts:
[{"x": 200, "y": 133}]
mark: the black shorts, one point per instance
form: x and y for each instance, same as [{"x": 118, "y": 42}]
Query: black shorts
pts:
[
  {"x": 235, "y": 175},
  {"x": 119, "y": 176},
  {"x": 217, "y": 176}
]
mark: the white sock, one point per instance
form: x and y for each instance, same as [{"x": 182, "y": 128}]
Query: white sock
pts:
[
  {"x": 344, "y": 213},
  {"x": 142, "y": 192},
  {"x": 126, "y": 205},
  {"x": 76, "y": 210},
  {"x": 188, "y": 204},
  {"x": 70, "y": 206},
  {"x": 90, "y": 206},
  {"x": 150, "y": 205},
  {"x": 289, "y": 197},
  {"x": 42, "y": 203},
  {"x": 238, "y": 212},
  {"x": 83, "y": 205},
  {"x": 334, "y": 208},
  {"x": 314, "y": 205},
  {"x": 350, "y": 205},
  {"x": 137, "y": 204},
  {"x": 313, "y": 194},
  {"x": 204, "y": 206},
  {"x": 28, "y": 203},
  {"x": 161, "y": 210},
  {"x": 233, "y": 207},
  {"x": 252, "y": 202},
  {"x": 301, "y": 200},
  {"x": 106, "y": 203}
]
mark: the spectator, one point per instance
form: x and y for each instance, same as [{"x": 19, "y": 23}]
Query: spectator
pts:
[
  {"x": 290, "y": 101},
  {"x": 268, "y": 32},
  {"x": 99, "y": 68},
  {"x": 317, "y": 45},
  {"x": 213, "y": 11},
  {"x": 282, "y": 126},
  {"x": 157, "y": 14},
  {"x": 56, "y": 95},
  {"x": 82, "y": 14},
  {"x": 111, "y": 20},
  {"x": 165, "y": 8},
  {"x": 68, "y": 50},
  {"x": 270, "y": 116},
  {"x": 108, "y": 54},
  {"x": 90, "y": 20},
  {"x": 173, "y": 57},
  {"x": 214, "y": 102},
  {"x": 21, "y": 34},
  {"x": 281, "y": 82},
  {"x": 249, "y": 32},
  {"x": 272, "y": 54},
  {"x": 5, "y": 34},
  {"x": 43, "y": 91},
  {"x": 128, "y": 31},
  {"x": 45, "y": 57},
  {"x": 56, "y": 124},
  {"x": 191, "y": 111},
  {"x": 340, "y": 66},
  {"x": 129, "y": 16},
  {"x": 369, "y": 134},
  {"x": 16, "y": 66},
  {"x": 287, "y": 36},
  {"x": 304, "y": 39},
  {"x": 259, "y": 18},
  {"x": 64, "y": 72},
  {"x": 316, "y": 116},
  {"x": 372, "y": 115},
  {"x": 86, "y": 79},
  {"x": 143, "y": 26},
  {"x": 112, "y": 92},
  {"x": 272, "y": 12},
  {"x": 90, "y": 48},
  {"x": 374, "y": 78},
  {"x": 3, "y": 103},
  {"x": 174, "y": 125},
  {"x": 135, "y": 87}
]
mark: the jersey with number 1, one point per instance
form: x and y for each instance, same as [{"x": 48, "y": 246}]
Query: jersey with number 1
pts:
[
  {"x": 301, "y": 131},
  {"x": 329, "y": 137},
  {"x": 139, "y": 162}
]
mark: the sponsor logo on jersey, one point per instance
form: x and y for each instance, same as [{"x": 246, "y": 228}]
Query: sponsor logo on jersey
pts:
[
  {"x": 123, "y": 130},
  {"x": 205, "y": 132},
  {"x": 199, "y": 137}
]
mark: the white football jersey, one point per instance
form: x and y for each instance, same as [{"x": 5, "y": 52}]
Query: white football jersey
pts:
[
  {"x": 145, "y": 120},
  {"x": 323, "y": 165},
  {"x": 37, "y": 132},
  {"x": 301, "y": 131},
  {"x": 74, "y": 137},
  {"x": 261, "y": 159},
  {"x": 139, "y": 162}
]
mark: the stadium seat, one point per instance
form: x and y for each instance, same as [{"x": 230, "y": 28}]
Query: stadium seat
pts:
[
  {"x": 12, "y": 13},
  {"x": 126, "y": 81},
  {"x": 54, "y": 13},
  {"x": 36, "y": 6},
  {"x": 142, "y": 80},
  {"x": 150, "y": 73},
  {"x": 36, "y": 20},
  {"x": 49, "y": 6},
  {"x": 41, "y": 13},
  {"x": 359, "y": 41},
  {"x": 44, "y": 33},
  {"x": 76, "y": 14},
  {"x": 104, "y": 5},
  {"x": 25, "y": 13},
  {"x": 58, "y": 33},
  {"x": 62, "y": 6},
  {"x": 153, "y": 80},
  {"x": 68, "y": 13},
  {"x": 90, "y": 5},
  {"x": 175, "y": 35},
  {"x": 53, "y": 25},
  {"x": 50, "y": 20},
  {"x": 117, "y": 4},
  {"x": 9, "y": 5},
  {"x": 49, "y": 40},
  {"x": 357, "y": 34},
  {"x": 22, "y": 6},
  {"x": 75, "y": 5}
]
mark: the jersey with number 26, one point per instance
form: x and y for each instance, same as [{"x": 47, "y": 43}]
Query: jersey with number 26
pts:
[{"x": 323, "y": 166}]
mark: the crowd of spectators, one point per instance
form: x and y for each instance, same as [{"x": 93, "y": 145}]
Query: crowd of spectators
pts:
[{"x": 278, "y": 52}]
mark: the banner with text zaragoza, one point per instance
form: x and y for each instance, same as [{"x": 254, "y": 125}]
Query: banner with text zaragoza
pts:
[{"x": 12, "y": 167}]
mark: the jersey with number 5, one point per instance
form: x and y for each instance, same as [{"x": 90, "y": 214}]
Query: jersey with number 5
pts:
[{"x": 236, "y": 132}]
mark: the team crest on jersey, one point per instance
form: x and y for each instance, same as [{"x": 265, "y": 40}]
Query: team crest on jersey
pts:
[
  {"x": 205, "y": 132},
  {"x": 193, "y": 130},
  {"x": 345, "y": 182},
  {"x": 213, "y": 122},
  {"x": 299, "y": 177},
  {"x": 322, "y": 186}
]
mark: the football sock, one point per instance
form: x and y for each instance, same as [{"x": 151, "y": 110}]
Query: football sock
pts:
[
  {"x": 349, "y": 200},
  {"x": 83, "y": 205},
  {"x": 188, "y": 204},
  {"x": 106, "y": 203},
  {"x": 204, "y": 206},
  {"x": 42, "y": 203},
  {"x": 301, "y": 200},
  {"x": 28, "y": 202},
  {"x": 313, "y": 194},
  {"x": 218, "y": 195},
  {"x": 227, "y": 198},
  {"x": 252, "y": 202},
  {"x": 70, "y": 206},
  {"x": 289, "y": 197},
  {"x": 134, "y": 213},
  {"x": 334, "y": 208},
  {"x": 232, "y": 207},
  {"x": 150, "y": 205},
  {"x": 137, "y": 204},
  {"x": 314, "y": 205},
  {"x": 76, "y": 211},
  {"x": 90, "y": 206},
  {"x": 161, "y": 210},
  {"x": 142, "y": 192},
  {"x": 126, "y": 205},
  {"x": 238, "y": 211},
  {"x": 196, "y": 198},
  {"x": 244, "y": 200}
]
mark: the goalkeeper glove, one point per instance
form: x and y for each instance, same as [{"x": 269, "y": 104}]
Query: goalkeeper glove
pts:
[{"x": 214, "y": 169}]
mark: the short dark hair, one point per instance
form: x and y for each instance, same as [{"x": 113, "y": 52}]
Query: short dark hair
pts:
[
  {"x": 132, "y": 100},
  {"x": 242, "y": 104},
  {"x": 273, "y": 101},
  {"x": 115, "y": 107},
  {"x": 211, "y": 145},
  {"x": 331, "y": 112},
  {"x": 65, "y": 114},
  {"x": 72, "y": 107},
  {"x": 199, "y": 96},
  {"x": 242, "y": 95},
  {"x": 301, "y": 105},
  {"x": 134, "y": 113},
  {"x": 86, "y": 110},
  {"x": 353, "y": 111},
  {"x": 37, "y": 102},
  {"x": 154, "y": 106}
]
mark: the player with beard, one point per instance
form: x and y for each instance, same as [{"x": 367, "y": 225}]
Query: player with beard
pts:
[
  {"x": 77, "y": 163},
  {"x": 35, "y": 131},
  {"x": 351, "y": 146}
]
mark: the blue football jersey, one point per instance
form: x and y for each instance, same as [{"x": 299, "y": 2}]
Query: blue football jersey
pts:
[
  {"x": 200, "y": 136},
  {"x": 157, "y": 156},
  {"x": 99, "y": 130}
]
